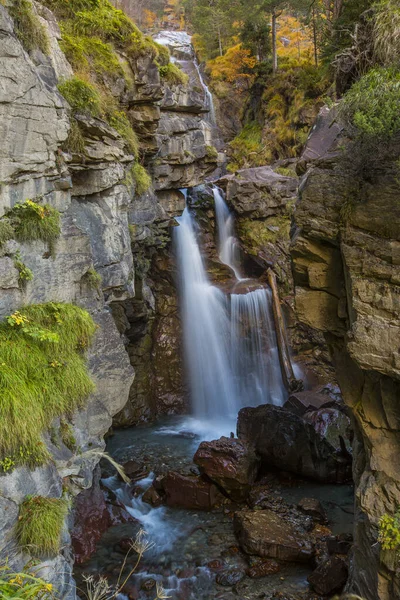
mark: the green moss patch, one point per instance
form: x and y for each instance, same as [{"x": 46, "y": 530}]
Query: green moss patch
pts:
[
  {"x": 256, "y": 234},
  {"x": 81, "y": 96},
  {"x": 43, "y": 375},
  {"x": 173, "y": 75},
  {"x": 34, "y": 221},
  {"x": 40, "y": 525},
  {"x": 27, "y": 26},
  {"x": 141, "y": 178}
]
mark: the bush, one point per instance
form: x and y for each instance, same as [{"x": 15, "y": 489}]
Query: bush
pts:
[
  {"x": 81, "y": 96},
  {"x": 141, "y": 178},
  {"x": 40, "y": 525},
  {"x": 372, "y": 103},
  {"x": 389, "y": 531},
  {"x": 32, "y": 221},
  {"x": 27, "y": 26},
  {"x": 43, "y": 375},
  {"x": 173, "y": 74}
]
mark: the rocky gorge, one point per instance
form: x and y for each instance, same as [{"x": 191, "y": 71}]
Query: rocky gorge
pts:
[{"x": 319, "y": 223}]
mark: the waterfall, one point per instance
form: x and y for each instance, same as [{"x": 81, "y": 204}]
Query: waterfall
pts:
[
  {"x": 228, "y": 247},
  {"x": 209, "y": 100},
  {"x": 230, "y": 345}
]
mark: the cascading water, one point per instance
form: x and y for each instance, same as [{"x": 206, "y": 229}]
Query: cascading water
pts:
[{"x": 230, "y": 346}]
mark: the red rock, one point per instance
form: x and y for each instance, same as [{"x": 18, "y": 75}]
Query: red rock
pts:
[
  {"x": 189, "y": 491},
  {"x": 264, "y": 533},
  {"x": 230, "y": 463},
  {"x": 151, "y": 496}
]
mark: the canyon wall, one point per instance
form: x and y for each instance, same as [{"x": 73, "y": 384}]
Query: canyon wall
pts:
[{"x": 105, "y": 227}]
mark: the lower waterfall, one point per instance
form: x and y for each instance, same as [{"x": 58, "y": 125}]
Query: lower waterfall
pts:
[{"x": 230, "y": 345}]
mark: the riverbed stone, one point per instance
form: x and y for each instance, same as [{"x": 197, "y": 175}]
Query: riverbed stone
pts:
[
  {"x": 230, "y": 463},
  {"x": 191, "y": 492},
  {"x": 266, "y": 534},
  {"x": 329, "y": 577}
]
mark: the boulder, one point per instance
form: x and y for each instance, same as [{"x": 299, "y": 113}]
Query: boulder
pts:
[
  {"x": 333, "y": 425},
  {"x": 286, "y": 441},
  {"x": 314, "y": 508},
  {"x": 266, "y": 534},
  {"x": 300, "y": 402},
  {"x": 329, "y": 577},
  {"x": 191, "y": 492},
  {"x": 230, "y": 463}
]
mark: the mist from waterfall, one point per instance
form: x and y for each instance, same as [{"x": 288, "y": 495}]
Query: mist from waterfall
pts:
[{"x": 230, "y": 346}]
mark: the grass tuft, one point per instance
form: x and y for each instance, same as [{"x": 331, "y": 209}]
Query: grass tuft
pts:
[
  {"x": 173, "y": 75},
  {"x": 81, "y": 96},
  {"x": 141, "y": 178},
  {"x": 43, "y": 375},
  {"x": 6, "y": 231},
  {"x": 93, "y": 279},
  {"x": 75, "y": 142},
  {"x": 32, "y": 221},
  {"x": 40, "y": 525},
  {"x": 28, "y": 28}
]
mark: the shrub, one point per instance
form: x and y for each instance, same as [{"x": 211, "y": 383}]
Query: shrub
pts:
[
  {"x": 141, "y": 178},
  {"x": 389, "y": 531},
  {"x": 23, "y": 586},
  {"x": 6, "y": 231},
  {"x": 372, "y": 103},
  {"x": 81, "y": 96},
  {"x": 40, "y": 524},
  {"x": 43, "y": 375},
  {"x": 173, "y": 75},
  {"x": 32, "y": 221},
  {"x": 27, "y": 26}
]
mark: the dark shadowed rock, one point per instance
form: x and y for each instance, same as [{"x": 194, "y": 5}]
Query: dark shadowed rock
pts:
[
  {"x": 314, "y": 508},
  {"x": 333, "y": 425},
  {"x": 230, "y": 577},
  {"x": 299, "y": 402},
  {"x": 329, "y": 577},
  {"x": 264, "y": 533},
  {"x": 187, "y": 491},
  {"x": 151, "y": 496},
  {"x": 284, "y": 440},
  {"x": 230, "y": 463},
  {"x": 262, "y": 568}
]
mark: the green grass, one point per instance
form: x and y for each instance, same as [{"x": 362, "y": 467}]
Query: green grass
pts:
[
  {"x": 118, "y": 119},
  {"x": 93, "y": 279},
  {"x": 40, "y": 525},
  {"x": 33, "y": 221},
  {"x": 256, "y": 235},
  {"x": 211, "y": 153},
  {"x": 81, "y": 96},
  {"x": 142, "y": 179},
  {"x": 75, "y": 142},
  {"x": 27, "y": 26},
  {"x": 25, "y": 273},
  {"x": 372, "y": 103},
  {"x": 43, "y": 375},
  {"x": 6, "y": 231},
  {"x": 90, "y": 53},
  {"x": 173, "y": 75},
  {"x": 23, "y": 586}
]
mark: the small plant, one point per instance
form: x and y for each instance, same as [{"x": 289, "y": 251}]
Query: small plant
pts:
[
  {"x": 81, "y": 96},
  {"x": 285, "y": 171},
  {"x": 118, "y": 119},
  {"x": 7, "y": 464},
  {"x": 67, "y": 435},
  {"x": 173, "y": 75},
  {"x": 211, "y": 153},
  {"x": 141, "y": 178},
  {"x": 40, "y": 525},
  {"x": 27, "y": 26},
  {"x": 389, "y": 531},
  {"x": 25, "y": 273},
  {"x": 32, "y": 221},
  {"x": 6, "y": 231},
  {"x": 23, "y": 586},
  {"x": 75, "y": 141},
  {"x": 93, "y": 279}
]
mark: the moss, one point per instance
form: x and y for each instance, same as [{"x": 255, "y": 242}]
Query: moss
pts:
[
  {"x": 163, "y": 56},
  {"x": 67, "y": 435},
  {"x": 256, "y": 234},
  {"x": 6, "y": 231},
  {"x": 81, "y": 96},
  {"x": 27, "y": 26},
  {"x": 372, "y": 103},
  {"x": 141, "y": 178},
  {"x": 32, "y": 221},
  {"x": 173, "y": 75},
  {"x": 43, "y": 375},
  {"x": 93, "y": 279},
  {"x": 75, "y": 141},
  {"x": 40, "y": 525},
  {"x": 120, "y": 122},
  {"x": 285, "y": 171},
  {"x": 90, "y": 53},
  {"x": 211, "y": 153}
]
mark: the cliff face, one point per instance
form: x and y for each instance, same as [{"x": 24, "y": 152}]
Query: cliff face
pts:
[
  {"x": 346, "y": 268},
  {"x": 105, "y": 226}
]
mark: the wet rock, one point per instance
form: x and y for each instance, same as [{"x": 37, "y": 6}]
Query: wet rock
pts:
[
  {"x": 151, "y": 496},
  {"x": 230, "y": 577},
  {"x": 131, "y": 591},
  {"x": 263, "y": 568},
  {"x": 333, "y": 425},
  {"x": 215, "y": 565},
  {"x": 314, "y": 508},
  {"x": 230, "y": 463},
  {"x": 284, "y": 440},
  {"x": 300, "y": 402},
  {"x": 187, "y": 491},
  {"x": 329, "y": 577},
  {"x": 266, "y": 534},
  {"x": 148, "y": 584},
  {"x": 132, "y": 469},
  {"x": 341, "y": 544}
]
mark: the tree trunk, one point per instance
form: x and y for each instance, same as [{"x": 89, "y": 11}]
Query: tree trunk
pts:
[
  {"x": 288, "y": 376},
  {"x": 314, "y": 24},
  {"x": 220, "y": 41},
  {"x": 274, "y": 50}
]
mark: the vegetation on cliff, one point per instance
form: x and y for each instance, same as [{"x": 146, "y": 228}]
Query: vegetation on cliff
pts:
[
  {"x": 43, "y": 375},
  {"x": 40, "y": 525},
  {"x": 23, "y": 586}
]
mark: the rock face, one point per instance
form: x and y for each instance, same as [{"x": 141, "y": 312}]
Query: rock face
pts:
[
  {"x": 286, "y": 441},
  {"x": 105, "y": 227},
  {"x": 265, "y": 534},
  {"x": 346, "y": 269},
  {"x": 230, "y": 463}
]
